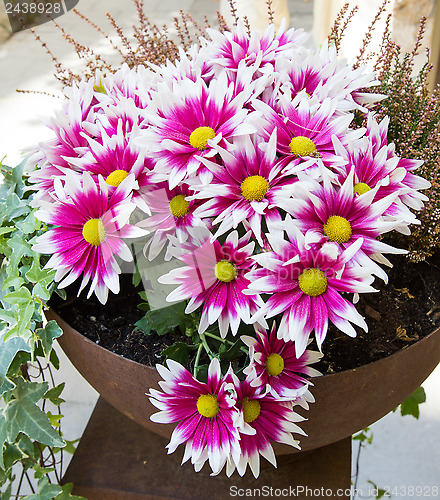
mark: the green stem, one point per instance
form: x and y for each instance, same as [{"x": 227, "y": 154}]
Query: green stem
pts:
[
  {"x": 216, "y": 337},
  {"x": 206, "y": 346},
  {"x": 196, "y": 362}
]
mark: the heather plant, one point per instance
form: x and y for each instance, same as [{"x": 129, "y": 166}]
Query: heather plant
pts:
[{"x": 413, "y": 110}]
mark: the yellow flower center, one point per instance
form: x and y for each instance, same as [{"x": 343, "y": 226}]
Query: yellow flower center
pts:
[
  {"x": 302, "y": 146},
  {"x": 251, "y": 409},
  {"x": 207, "y": 405},
  {"x": 94, "y": 232},
  {"x": 361, "y": 188},
  {"x": 274, "y": 364},
  {"x": 337, "y": 229},
  {"x": 200, "y": 136},
  {"x": 116, "y": 177},
  {"x": 179, "y": 206},
  {"x": 225, "y": 271},
  {"x": 313, "y": 282},
  {"x": 254, "y": 187}
]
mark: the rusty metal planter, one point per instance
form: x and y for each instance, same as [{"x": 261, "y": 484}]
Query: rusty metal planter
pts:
[{"x": 346, "y": 402}]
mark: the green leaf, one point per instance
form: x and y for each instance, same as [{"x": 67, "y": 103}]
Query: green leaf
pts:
[
  {"x": 364, "y": 436},
  {"x": 11, "y": 454},
  {"x": 179, "y": 351},
  {"x": 29, "y": 224},
  {"x": 7, "y": 229},
  {"x": 70, "y": 446},
  {"x": 66, "y": 493},
  {"x": 53, "y": 395},
  {"x": 19, "y": 297},
  {"x": 8, "y": 351},
  {"x": 13, "y": 282},
  {"x": 46, "y": 490},
  {"x": 164, "y": 320},
  {"x": 54, "y": 419},
  {"x": 20, "y": 248},
  {"x": 38, "y": 275},
  {"x": 47, "y": 335},
  {"x": 411, "y": 405},
  {"x": 23, "y": 415},
  {"x": 14, "y": 207}
]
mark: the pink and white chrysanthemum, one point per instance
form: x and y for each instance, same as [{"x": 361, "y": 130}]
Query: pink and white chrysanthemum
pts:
[
  {"x": 48, "y": 162},
  {"x": 261, "y": 419},
  {"x": 115, "y": 156},
  {"x": 305, "y": 285},
  {"x": 322, "y": 75},
  {"x": 412, "y": 197},
  {"x": 381, "y": 172},
  {"x": 172, "y": 214},
  {"x": 89, "y": 233},
  {"x": 248, "y": 187},
  {"x": 228, "y": 49},
  {"x": 305, "y": 128},
  {"x": 213, "y": 277},
  {"x": 332, "y": 214},
  {"x": 204, "y": 413},
  {"x": 187, "y": 121},
  {"x": 275, "y": 366}
]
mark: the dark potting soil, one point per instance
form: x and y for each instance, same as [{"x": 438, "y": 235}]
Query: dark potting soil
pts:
[{"x": 404, "y": 311}]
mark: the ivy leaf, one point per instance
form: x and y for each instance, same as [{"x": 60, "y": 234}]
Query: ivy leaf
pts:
[
  {"x": 23, "y": 415},
  {"x": 10, "y": 455},
  {"x": 29, "y": 224},
  {"x": 47, "y": 335},
  {"x": 14, "y": 207},
  {"x": 53, "y": 395},
  {"x": 6, "y": 229},
  {"x": 164, "y": 320},
  {"x": 46, "y": 490},
  {"x": 411, "y": 405},
  {"x": 66, "y": 493},
  {"x": 179, "y": 351},
  {"x": 38, "y": 275},
  {"x": 20, "y": 248},
  {"x": 8, "y": 351},
  {"x": 19, "y": 297}
]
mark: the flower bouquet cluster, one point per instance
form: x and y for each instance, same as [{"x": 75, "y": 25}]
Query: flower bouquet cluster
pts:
[{"x": 239, "y": 163}]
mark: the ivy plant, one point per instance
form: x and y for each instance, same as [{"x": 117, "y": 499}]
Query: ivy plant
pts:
[{"x": 31, "y": 441}]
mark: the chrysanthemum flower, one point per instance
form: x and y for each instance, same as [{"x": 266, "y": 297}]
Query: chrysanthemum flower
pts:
[
  {"x": 248, "y": 187},
  {"x": 261, "y": 419},
  {"x": 275, "y": 366},
  {"x": 204, "y": 414},
  {"x": 331, "y": 214},
  {"x": 115, "y": 156},
  {"x": 213, "y": 277},
  {"x": 305, "y": 285},
  {"x": 91, "y": 227},
  {"x": 185, "y": 124},
  {"x": 172, "y": 214},
  {"x": 411, "y": 184},
  {"x": 378, "y": 170},
  {"x": 305, "y": 128},
  {"x": 323, "y": 75},
  {"x": 228, "y": 49}
]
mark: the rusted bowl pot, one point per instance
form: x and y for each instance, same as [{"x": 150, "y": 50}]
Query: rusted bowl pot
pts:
[{"x": 346, "y": 402}]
